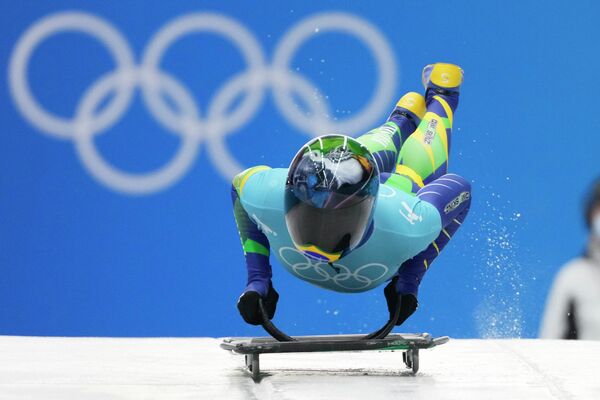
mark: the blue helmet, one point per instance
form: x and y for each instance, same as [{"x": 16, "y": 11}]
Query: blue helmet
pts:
[{"x": 330, "y": 196}]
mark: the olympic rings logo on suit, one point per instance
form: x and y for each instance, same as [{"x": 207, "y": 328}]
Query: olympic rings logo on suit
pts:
[
  {"x": 187, "y": 122},
  {"x": 320, "y": 274}
]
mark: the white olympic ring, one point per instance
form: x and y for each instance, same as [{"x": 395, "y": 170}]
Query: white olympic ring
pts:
[
  {"x": 320, "y": 268},
  {"x": 48, "y": 26},
  {"x": 187, "y": 121},
  {"x": 134, "y": 183}
]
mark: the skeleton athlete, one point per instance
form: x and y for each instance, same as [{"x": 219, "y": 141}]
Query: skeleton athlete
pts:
[{"x": 350, "y": 214}]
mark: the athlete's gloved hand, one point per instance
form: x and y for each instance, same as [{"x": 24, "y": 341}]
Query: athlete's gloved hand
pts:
[
  {"x": 249, "y": 309},
  {"x": 409, "y": 302}
]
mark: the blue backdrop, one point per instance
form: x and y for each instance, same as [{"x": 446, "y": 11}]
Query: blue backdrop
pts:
[{"x": 115, "y": 215}]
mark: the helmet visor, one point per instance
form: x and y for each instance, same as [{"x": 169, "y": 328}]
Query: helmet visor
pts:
[{"x": 332, "y": 230}]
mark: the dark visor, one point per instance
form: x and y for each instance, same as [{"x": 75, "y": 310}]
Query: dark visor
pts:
[{"x": 331, "y": 230}]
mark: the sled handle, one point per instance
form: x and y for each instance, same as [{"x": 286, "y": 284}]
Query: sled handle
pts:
[
  {"x": 270, "y": 327},
  {"x": 387, "y": 328},
  {"x": 282, "y": 337}
]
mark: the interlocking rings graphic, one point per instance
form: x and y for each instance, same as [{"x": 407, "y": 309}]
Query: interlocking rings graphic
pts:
[
  {"x": 320, "y": 272},
  {"x": 187, "y": 122}
]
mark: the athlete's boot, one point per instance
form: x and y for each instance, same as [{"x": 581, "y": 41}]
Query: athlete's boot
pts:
[
  {"x": 442, "y": 78},
  {"x": 411, "y": 105}
]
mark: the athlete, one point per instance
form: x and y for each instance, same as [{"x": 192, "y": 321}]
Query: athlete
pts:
[{"x": 350, "y": 214}]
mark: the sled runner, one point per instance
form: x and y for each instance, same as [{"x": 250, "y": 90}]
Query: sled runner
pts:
[{"x": 251, "y": 348}]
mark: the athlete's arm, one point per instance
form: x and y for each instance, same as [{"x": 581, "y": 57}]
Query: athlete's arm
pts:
[
  {"x": 256, "y": 248},
  {"x": 256, "y": 252},
  {"x": 451, "y": 196}
]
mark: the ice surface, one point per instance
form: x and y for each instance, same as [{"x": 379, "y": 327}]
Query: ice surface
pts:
[{"x": 92, "y": 368}]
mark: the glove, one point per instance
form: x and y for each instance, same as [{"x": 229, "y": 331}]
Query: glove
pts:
[
  {"x": 408, "y": 305},
  {"x": 248, "y": 305}
]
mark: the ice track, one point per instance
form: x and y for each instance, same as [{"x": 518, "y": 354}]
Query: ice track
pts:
[{"x": 92, "y": 368}]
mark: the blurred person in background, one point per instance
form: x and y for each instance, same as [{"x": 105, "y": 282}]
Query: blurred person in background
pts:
[{"x": 573, "y": 306}]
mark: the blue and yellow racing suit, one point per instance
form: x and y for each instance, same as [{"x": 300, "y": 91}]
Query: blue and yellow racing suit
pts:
[{"x": 419, "y": 205}]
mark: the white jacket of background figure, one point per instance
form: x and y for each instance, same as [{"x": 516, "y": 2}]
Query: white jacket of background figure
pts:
[{"x": 577, "y": 285}]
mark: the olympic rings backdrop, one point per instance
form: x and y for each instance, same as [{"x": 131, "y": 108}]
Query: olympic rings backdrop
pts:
[{"x": 124, "y": 122}]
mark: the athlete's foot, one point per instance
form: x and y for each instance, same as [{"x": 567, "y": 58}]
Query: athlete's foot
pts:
[
  {"x": 411, "y": 105},
  {"x": 442, "y": 77}
]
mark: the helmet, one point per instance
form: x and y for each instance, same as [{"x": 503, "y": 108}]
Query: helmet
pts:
[{"x": 330, "y": 196}]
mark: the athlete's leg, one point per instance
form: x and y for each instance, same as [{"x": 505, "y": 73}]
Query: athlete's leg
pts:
[
  {"x": 386, "y": 141},
  {"x": 425, "y": 153}
]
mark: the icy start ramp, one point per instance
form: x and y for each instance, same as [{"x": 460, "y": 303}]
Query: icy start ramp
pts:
[{"x": 110, "y": 369}]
